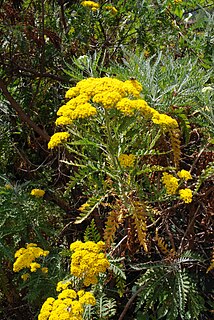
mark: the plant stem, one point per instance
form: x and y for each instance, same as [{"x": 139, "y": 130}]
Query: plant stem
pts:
[{"x": 130, "y": 302}]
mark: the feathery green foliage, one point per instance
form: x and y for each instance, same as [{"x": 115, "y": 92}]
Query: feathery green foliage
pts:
[{"x": 178, "y": 290}]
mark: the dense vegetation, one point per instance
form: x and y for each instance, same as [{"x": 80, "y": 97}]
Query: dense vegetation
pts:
[{"x": 106, "y": 138}]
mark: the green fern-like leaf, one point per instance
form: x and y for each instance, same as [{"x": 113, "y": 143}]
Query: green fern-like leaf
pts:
[
  {"x": 182, "y": 284},
  {"x": 80, "y": 177},
  {"x": 120, "y": 277},
  {"x": 195, "y": 303},
  {"x": 87, "y": 65},
  {"x": 189, "y": 257},
  {"x": 91, "y": 232},
  {"x": 105, "y": 307},
  {"x": 92, "y": 204},
  {"x": 206, "y": 174},
  {"x": 178, "y": 295},
  {"x": 116, "y": 268}
]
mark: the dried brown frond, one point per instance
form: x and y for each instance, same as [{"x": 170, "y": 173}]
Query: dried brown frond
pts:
[
  {"x": 161, "y": 243},
  {"x": 211, "y": 267},
  {"x": 140, "y": 218}
]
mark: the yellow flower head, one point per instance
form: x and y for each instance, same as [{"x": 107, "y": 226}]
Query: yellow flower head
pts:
[
  {"x": 68, "y": 306},
  {"x": 72, "y": 92},
  {"x": 87, "y": 298},
  {"x": 63, "y": 121},
  {"x": 186, "y": 195},
  {"x": 67, "y": 293},
  {"x": 8, "y": 186},
  {"x": 108, "y": 99},
  {"x": 57, "y": 139},
  {"x": 165, "y": 121},
  {"x": 126, "y": 106},
  {"x": 25, "y": 257},
  {"x": 112, "y": 9},
  {"x": 170, "y": 182},
  {"x": 133, "y": 87},
  {"x": 87, "y": 261},
  {"x": 91, "y": 4},
  {"x": 85, "y": 110},
  {"x": 34, "y": 266},
  {"x": 46, "y": 309},
  {"x": 44, "y": 270},
  {"x": 62, "y": 285},
  {"x": 84, "y": 206},
  {"x": 127, "y": 160},
  {"x": 183, "y": 174},
  {"x": 25, "y": 276},
  {"x": 37, "y": 193}
]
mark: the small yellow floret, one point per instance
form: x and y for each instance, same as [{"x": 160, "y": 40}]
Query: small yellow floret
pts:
[
  {"x": 63, "y": 121},
  {"x": 67, "y": 293},
  {"x": 108, "y": 99},
  {"x": 112, "y": 9},
  {"x": 183, "y": 174},
  {"x": 57, "y": 139},
  {"x": 126, "y": 106},
  {"x": 186, "y": 195},
  {"x": 91, "y": 4},
  {"x": 25, "y": 276},
  {"x": 84, "y": 111},
  {"x": 68, "y": 306},
  {"x": 170, "y": 182},
  {"x": 34, "y": 266},
  {"x": 127, "y": 160},
  {"x": 62, "y": 285},
  {"x": 133, "y": 87},
  {"x": 37, "y": 193},
  {"x": 165, "y": 121},
  {"x": 44, "y": 270},
  {"x": 83, "y": 207},
  {"x": 87, "y": 298},
  {"x": 8, "y": 186},
  {"x": 72, "y": 92}
]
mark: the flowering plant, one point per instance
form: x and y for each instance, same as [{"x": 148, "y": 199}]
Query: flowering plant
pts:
[
  {"x": 74, "y": 301},
  {"x": 114, "y": 135}
]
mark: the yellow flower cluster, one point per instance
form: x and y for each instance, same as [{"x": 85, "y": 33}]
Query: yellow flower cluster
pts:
[
  {"x": 88, "y": 261},
  {"x": 83, "y": 207},
  {"x": 110, "y": 93},
  {"x": 37, "y": 193},
  {"x": 62, "y": 285},
  {"x": 171, "y": 185},
  {"x": 170, "y": 182},
  {"x": 57, "y": 139},
  {"x": 91, "y": 4},
  {"x": 165, "y": 121},
  {"x": 108, "y": 99},
  {"x": 8, "y": 186},
  {"x": 186, "y": 195},
  {"x": 183, "y": 174},
  {"x": 68, "y": 306},
  {"x": 25, "y": 258},
  {"x": 90, "y": 95},
  {"x": 126, "y": 160},
  {"x": 106, "y": 91},
  {"x": 111, "y": 8}
]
